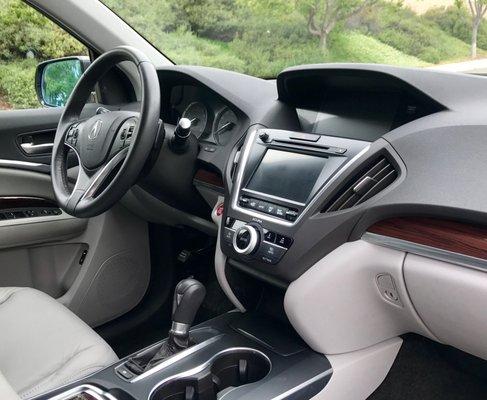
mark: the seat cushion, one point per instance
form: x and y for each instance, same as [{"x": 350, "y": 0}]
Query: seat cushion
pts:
[
  {"x": 43, "y": 345},
  {"x": 6, "y": 391}
]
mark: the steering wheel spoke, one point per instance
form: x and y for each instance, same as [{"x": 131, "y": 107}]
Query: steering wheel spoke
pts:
[
  {"x": 97, "y": 180},
  {"x": 90, "y": 184}
]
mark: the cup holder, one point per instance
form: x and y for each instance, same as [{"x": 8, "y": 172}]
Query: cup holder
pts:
[{"x": 227, "y": 370}]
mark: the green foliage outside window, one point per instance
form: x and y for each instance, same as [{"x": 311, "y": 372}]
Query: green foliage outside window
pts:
[
  {"x": 26, "y": 39},
  {"x": 59, "y": 80},
  {"x": 257, "y": 37}
]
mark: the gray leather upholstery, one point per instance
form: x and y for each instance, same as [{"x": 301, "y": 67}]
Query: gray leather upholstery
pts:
[
  {"x": 43, "y": 345},
  {"x": 6, "y": 391}
]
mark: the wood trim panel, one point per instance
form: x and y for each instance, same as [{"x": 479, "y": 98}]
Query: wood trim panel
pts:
[
  {"x": 209, "y": 178},
  {"x": 457, "y": 237},
  {"x": 12, "y": 202}
]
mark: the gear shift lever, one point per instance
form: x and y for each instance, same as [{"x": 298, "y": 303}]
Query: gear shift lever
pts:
[{"x": 188, "y": 296}]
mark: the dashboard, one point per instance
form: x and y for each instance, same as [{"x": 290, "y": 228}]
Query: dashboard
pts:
[{"x": 311, "y": 160}]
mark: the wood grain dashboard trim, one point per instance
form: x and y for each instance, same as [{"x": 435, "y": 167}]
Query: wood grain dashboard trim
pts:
[
  {"x": 452, "y": 236},
  {"x": 208, "y": 177}
]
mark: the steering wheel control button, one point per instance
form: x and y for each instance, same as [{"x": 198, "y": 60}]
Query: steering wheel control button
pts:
[{"x": 246, "y": 240}]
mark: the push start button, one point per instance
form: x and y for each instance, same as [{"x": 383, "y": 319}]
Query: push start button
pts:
[{"x": 246, "y": 240}]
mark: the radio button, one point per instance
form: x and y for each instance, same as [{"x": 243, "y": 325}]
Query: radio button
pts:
[
  {"x": 270, "y": 209},
  {"x": 261, "y": 206},
  {"x": 253, "y": 204},
  {"x": 281, "y": 212}
]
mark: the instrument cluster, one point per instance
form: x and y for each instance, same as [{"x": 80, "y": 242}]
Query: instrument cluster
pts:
[{"x": 211, "y": 119}]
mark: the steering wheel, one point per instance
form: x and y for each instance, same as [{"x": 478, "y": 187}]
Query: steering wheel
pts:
[{"x": 112, "y": 147}]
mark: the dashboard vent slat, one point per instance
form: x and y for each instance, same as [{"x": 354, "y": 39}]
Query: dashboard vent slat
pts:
[{"x": 374, "y": 178}]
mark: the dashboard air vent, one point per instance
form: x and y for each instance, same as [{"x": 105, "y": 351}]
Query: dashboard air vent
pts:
[{"x": 374, "y": 178}]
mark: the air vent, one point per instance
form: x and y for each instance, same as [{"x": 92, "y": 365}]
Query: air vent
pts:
[{"x": 372, "y": 180}]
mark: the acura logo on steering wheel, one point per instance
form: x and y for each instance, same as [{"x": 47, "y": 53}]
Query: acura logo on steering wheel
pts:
[{"x": 95, "y": 130}]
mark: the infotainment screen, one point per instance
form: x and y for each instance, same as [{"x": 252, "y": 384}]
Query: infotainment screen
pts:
[{"x": 287, "y": 175}]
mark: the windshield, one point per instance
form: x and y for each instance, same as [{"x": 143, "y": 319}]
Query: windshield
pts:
[{"x": 262, "y": 37}]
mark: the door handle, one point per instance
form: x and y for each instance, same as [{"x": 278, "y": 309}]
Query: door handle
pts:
[{"x": 41, "y": 148}]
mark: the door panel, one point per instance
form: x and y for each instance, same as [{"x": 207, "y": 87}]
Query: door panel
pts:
[
  {"x": 49, "y": 268},
  {"x": 20, "y": 126},
  {"x": 44, "y": 251}
]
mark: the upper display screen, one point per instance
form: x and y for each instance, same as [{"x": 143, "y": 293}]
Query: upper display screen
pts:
[{"x": 287, "y": 175}]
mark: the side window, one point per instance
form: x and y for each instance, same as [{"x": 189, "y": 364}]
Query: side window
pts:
[{"x": 29, "y": 39}]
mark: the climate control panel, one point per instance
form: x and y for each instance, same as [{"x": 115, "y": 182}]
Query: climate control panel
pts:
[{"x": 250, "y": 241}]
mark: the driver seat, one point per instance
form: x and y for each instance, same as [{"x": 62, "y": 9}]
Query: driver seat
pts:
[{"x": 43, "y": 345}]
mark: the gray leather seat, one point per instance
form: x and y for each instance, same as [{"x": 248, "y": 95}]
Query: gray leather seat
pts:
[{"x": 43, "y": 345}]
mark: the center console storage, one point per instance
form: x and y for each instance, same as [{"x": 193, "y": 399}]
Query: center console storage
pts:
[
  {"x": 227, "y": 371},
  {"x": 235, "y": 356}
]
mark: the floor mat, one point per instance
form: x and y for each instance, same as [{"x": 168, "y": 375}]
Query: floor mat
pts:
[{"x": 427, "y": 370}]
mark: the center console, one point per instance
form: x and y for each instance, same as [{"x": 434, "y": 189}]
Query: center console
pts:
[
  {"x": 279, "y": 175},
  {"x": 234, "y": 356}
]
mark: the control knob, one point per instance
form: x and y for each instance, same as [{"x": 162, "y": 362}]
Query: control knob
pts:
[
  {"x": 246, "y": 240},
  {"x": 181, "y": 135}
]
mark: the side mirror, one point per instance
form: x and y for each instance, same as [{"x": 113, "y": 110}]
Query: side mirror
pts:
[{"x": 56, "y": 79}]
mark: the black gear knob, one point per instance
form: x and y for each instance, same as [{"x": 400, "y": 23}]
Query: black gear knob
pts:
[{"x": 188, "y": 296}]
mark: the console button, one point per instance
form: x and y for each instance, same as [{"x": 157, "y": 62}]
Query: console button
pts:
[
  {"x": 9, "y": 215},
  {"x": 281, "y": 212},
  {"x": 284, "y": 241},
  {"x": 270, "y": 253},
  {"x": 270, "y": 209},
  {"x": 246, "y": 240},
  {"x": 261, "y": 206},
  {"x": 228, "y": 235},
  {"x": 125, "y": 373},
  {"x": 291, "y": 215},
  {"x": 253, "y": 204},
  {"x": 244, "y": 201},
  {"x": 243, "y": 239},
  {"x": 270, "y": 237}
]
